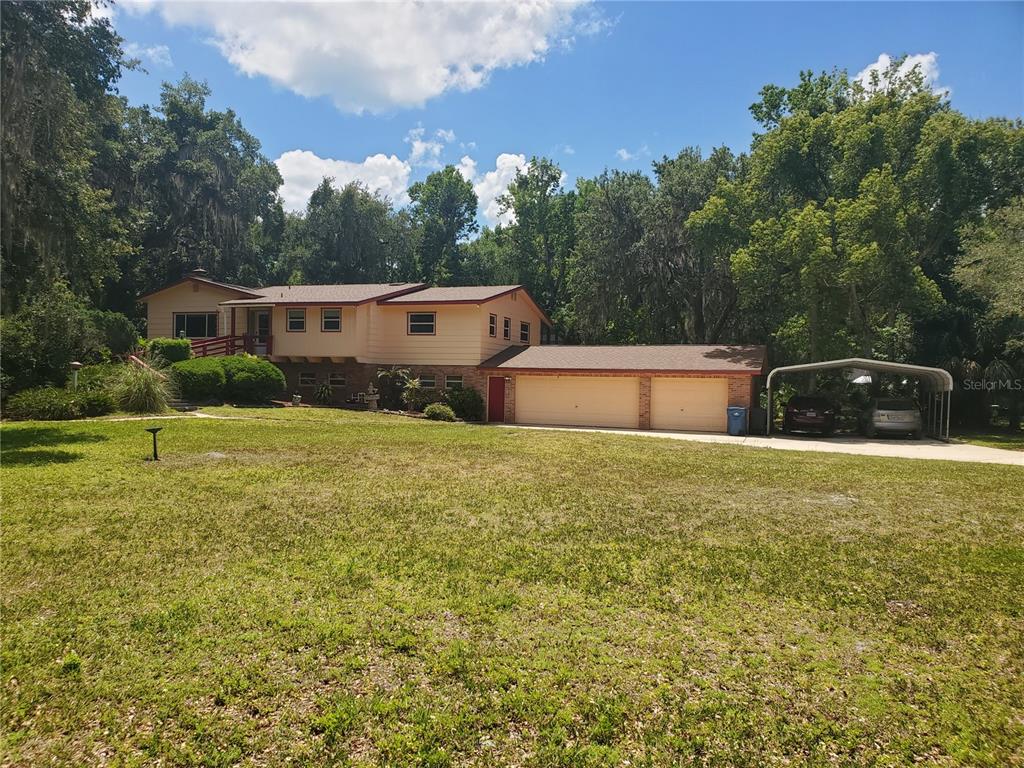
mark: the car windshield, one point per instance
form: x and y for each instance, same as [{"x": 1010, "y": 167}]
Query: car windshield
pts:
[
  {"x": 809, "y": 401},
  {"x": 896, "y": 404}
]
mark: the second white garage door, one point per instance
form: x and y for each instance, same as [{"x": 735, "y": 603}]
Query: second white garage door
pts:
[
  {"x": 579, "y": 401},
  {"x": 694, "y": 405}
]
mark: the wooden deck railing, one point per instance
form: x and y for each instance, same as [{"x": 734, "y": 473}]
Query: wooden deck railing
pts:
[{"x": 231, "y": 345}]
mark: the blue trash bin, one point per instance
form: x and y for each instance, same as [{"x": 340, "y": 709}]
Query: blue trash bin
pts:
[{"x": 737, "y": 420}]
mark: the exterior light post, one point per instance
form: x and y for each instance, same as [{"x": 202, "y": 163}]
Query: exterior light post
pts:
[
  {"x": 75, "y": 366},
  {"x": 153, "y": 431}
]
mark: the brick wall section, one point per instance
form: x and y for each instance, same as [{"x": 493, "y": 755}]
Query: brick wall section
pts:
[
  {"x": 740, "y": 391},
  {"x": 510, "y": 400},
  {"x": 358, "y": 377},
  {"x": 645, "y": 402}
]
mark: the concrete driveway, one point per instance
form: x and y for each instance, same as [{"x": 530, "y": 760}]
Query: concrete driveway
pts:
[{"x": 852, "y": 444}]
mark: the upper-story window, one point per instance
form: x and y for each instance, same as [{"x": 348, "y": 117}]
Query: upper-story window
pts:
[
  {"x": 197, "y": 325},
  {"x": 296, "y": 320},
  {"x": 330, "y": 319},
  {"x": 492, "y": 326},
  {"x": 422, "y": 323},
  {"x": 524, "y": 333},
  {"x": 507, "y": 329}
]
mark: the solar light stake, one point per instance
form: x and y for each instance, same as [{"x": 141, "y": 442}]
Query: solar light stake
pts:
[{"x": 153, "y": 431}]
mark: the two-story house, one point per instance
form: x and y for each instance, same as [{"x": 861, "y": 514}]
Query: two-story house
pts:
[{"x": 485, "y": 337}]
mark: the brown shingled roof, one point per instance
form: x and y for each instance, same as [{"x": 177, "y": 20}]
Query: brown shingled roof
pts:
[
  {"x": 464, "y": 294},
  {"x": 669, "y": 358},
  {"x": 350, "y": 293},
  {"x": 241, "y": 289}
]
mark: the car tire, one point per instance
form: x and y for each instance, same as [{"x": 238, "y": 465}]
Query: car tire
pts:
[{"x": 869, "y": 430}]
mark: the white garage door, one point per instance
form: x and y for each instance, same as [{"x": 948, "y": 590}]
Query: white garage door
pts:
[
  {"x": 693, "y": 405},
  {"x": 580, "y": 401}
]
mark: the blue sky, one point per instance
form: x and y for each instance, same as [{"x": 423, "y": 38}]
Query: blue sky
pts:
[{"x": 386, "y": 93}]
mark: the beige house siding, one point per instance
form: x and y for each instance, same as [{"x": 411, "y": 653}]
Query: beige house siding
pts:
[
  {"x": 313, "y": 342},
  {"x": 456, "y": 340},
  {"x": 516, "y": 307},
  {"x": 185, "y": 297}
]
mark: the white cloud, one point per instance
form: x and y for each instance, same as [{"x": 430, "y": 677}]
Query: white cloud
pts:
[
  {"x": 426, "y": 152},
  {"x": 379, "y": 56},
  {"x": 493, "y": 184},
  {"x": 627, "y": 155},
  {"x": 156, "y": 55},
  {"x": 927, "y": 62},
  {"x": 303, "y": 171}
]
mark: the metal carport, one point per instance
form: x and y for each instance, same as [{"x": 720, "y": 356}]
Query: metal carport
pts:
[{"x": 935, "y": 382}]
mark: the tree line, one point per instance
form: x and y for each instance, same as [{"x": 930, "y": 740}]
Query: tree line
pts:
[{"x": 866, "y": 219}]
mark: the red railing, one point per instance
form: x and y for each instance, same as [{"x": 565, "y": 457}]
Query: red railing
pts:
[{"x": 231, "y": 345}]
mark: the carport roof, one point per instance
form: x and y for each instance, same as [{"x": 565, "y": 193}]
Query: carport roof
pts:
[
  {"x": 935, "y": 379},
  {"x": 668, "y": 358}
]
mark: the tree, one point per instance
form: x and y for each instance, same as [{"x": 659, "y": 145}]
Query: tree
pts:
[
  {"x": 542, "y": 238},
  {"x": 444, "y": 210},
  {"x": 59, "y": 62}
]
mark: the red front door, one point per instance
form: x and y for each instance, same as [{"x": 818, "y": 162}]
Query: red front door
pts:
[{"x": 496, "y": 399}]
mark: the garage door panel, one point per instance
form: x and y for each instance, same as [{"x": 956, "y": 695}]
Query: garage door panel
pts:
[
  {"x": 581, "y": 401},
  {"x": 689, "y": 404}
]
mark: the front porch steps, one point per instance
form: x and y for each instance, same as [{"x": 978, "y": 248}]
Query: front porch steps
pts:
[{"x": 181, "y": 405}]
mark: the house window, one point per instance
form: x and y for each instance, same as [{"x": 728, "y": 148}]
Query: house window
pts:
[
  {"x": 336, "y": 379},
  {"x": 427, "y": 380},
  {"x": 524, "y": 333},
  {"x": 492, "y": 326},
  {"x": 507, "y": 329},
  {"x": 297, "y": 320},
  {"x": 330, "y": 319},
  {"x": 453, "y": 382},
  {"x": 307, "y": 379},
  {"x": 198, "y": 325},
  {"x": 421, "y": 323}
]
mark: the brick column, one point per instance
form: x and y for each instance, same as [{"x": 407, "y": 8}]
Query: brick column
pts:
[
  {"x": 739, "y": 391},
  {"x": 645, "y": 402},
  {"x": 510, "y": 400}
]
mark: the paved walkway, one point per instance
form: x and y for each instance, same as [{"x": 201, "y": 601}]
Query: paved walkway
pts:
[{"x": 903, "y": 449}]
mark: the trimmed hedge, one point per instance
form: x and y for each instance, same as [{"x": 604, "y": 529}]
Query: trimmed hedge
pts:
[
  {"x": 439, "y": 412},
  {"x": 171, "y": 350},
  {"x": 199, "y": 379},
  {"x": 52, "y": 404},
  {"x": 250, "y": 379},
  {"x": 466, "y": 403}
]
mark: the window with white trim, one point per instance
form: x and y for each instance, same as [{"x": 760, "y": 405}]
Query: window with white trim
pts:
[
  {"x": 296, "y": 320},
  {"x": 421, "y": 323},
  {"x": 195, "y": 325},
  {"x": 524, "y": 332},
  {"x": 330, "y": 319},
  {"x": 307, "y": 379},
  {"x": 453, "y": 382},
  {"x": 492, "y": 326},
  {"x": 427, "y": 381},
  {"x": 336, "y": 379},
  {"x": 506, "y": 330}
]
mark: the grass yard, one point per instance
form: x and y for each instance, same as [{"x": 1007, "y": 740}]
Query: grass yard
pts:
[
  {"x": 317, "y": 587},
  {"x": 994, "y": 438}
]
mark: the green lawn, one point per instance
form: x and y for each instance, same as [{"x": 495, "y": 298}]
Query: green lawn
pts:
[
  {"x": 371, "y": 590},
  {"x": 994, "y": 438}
]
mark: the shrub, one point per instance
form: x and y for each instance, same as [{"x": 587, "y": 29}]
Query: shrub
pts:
[
  {"x": 53, "y": 404},
  {"x": 466, "y": 403},
  {"x": 324, "y": 394},
  {"x": 93, "y": 378},
  {"x": 199, "y": 379},
  {"x": 171, "y": 350},
  {"x": 250, "y": 379},
  {"x": 439, "y": 412},
  {"x": 115, "y": 331},
  {"x": 140, "y": 389}
]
